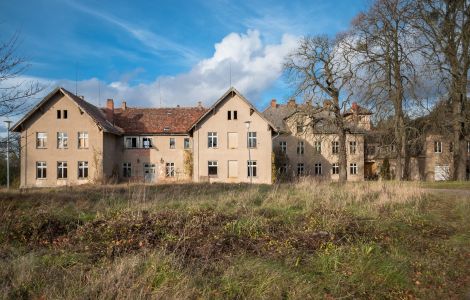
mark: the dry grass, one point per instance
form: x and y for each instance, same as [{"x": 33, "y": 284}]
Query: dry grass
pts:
[{"x": 305, "y": 240}]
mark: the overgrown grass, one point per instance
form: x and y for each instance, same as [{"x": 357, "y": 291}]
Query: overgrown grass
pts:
[{"x": 299, "y": 241}]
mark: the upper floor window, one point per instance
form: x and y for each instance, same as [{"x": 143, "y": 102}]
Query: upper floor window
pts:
[
  {"x": 65, "y": 114},
  {"x": 252, "y": 168},
  {"x": 335, "y": 168},
  {"x": 41, "y": 140},
  {"x": 335, "y": 147},
  {"x": 283, "y": 146},
  {"x": 235, "y": 115},
  {"x": 172, "y": 143},
  {"x": 229, "y": 115},
  {"x": 352, "y": 147},
  {"x": 232, "y": 115},
  {"x": 187, "y": 143},
  {"x": 212, "y": 139},
  {"x": 353, "y": 168},
  {"x": 61, "y": 169},
  {"x": 62, "y": 140},
  {"x": 62, "y": 114},
  {"x": 59, "y": 114},
  {"x": 251, "y": 139},
  {"x": 317, "y": 169},
  {"x": 170, "y": 169},
  {"x": 132, "y": 142},
  {"x": 82, "y": 169},
  {"x": 126, "y": 169},
  {"x": 147, "y": 142},
  {"x": 317, "y": 146},
  {"x": 300, "y": 148},
  {"x": 437, "y": 147},
  {"x": 300, "y": 127},
  {"x": 41, "y": 169},
  {"x": 212, "y": 167},
  {"x": 83, "y": 140}
]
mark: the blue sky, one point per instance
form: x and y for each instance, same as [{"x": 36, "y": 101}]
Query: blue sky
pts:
[{"x": 168, "y": 52}]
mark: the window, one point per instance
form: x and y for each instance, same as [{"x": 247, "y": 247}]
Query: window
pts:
[
  {"x": 468, "y": 147},
  {"x": 300, "y": 127},
  {"x": 83, "y": 140},
  {"x": 283, "y": 169},
  {"x": 335, "y": 168},
  {"x": 212, "y": 140},
  {"x": 438, "y": 147},
  {"x": 353, "y": 169},
  {"x": 62, "y": 140},
  {"x": 212, "y": 168},
  {"x": 335, "y": 147},
  {"x": 172, "y": 143},
  {"x": 317, "y": 146},
  {"x": 352, "y": 147},
  {"x": 82, "y": 169},
  {"x": 317, "y": 169},
  {"x": 126, "y": 170},
  {"x": 187, "y": 144},
  {"x": 41, "y": 169},
  {"x": 251, "y": 168},
  {"x": 451, "y": 147},
  {"x": 61, "y": 169},
  {"x": 147, "y": 142},
  {"x": 300, "y": 148},
  {"x": 131, "y": 142},
  {"x": 229, "y": 115},
  {"x": 59, "y": 114},
  {"x": 300, "y": 169},
  {"x": 283, "y": 146},
  {"x": 251, "y": 139},
  {"x": 170, "y": 169},
  {"x": 65, "y": 114},
  {"x": 235, "y": 115},
  {"x": 41, "y": 140}
]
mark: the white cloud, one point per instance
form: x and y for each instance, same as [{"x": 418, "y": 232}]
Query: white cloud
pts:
[{"x": 255, "y": 66}]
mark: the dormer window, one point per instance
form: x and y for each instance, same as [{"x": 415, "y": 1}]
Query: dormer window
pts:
[{"x": 166, "y": 129}]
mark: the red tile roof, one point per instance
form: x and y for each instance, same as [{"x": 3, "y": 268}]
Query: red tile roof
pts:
[{"x": 157, "y": 120}]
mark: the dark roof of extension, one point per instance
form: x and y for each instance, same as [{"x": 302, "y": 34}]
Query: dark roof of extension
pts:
[
  {"x": 157, "y": 120},
  {"x": 94, "y": 112}
]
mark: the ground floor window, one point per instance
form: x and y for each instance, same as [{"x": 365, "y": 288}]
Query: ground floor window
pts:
[
  {"x": 212, "y": 167},
  {"x": 41, "y": 169},
  {"x": 61, "y": 169},
  {"x": 82, "y": 169},
  {"x": 317, "y": 169},
  {"x": 252, "y": 168},
  {"x": 283, "y": 169},
  {"x": 170, "y": 169},
  {"x": 126, "y": 170},
  {"x": 335, "y": 169},
  {"x": 300, "y": 169},
  {"x": 353, "y": 169}
]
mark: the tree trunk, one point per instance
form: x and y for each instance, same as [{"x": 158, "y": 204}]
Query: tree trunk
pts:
[
  {"x": 459, "y": 160},
  {"x": 342, "y": 161}
]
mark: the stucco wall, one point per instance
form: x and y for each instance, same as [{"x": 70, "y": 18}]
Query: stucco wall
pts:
[{"x": 217, "y": 122}]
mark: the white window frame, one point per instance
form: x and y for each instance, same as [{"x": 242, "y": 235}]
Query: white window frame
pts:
[
  {"x": 252, "y": 139},
  {"x": 252, "y": 166},
  {"x": 335, "y": 169},
  {"x": 172, "y": 143},
  {"x": 62, "y": 170},
  {"x": 317, "y": 170},
  {"x": 127, "y": 170},
  {"x": 317, "y": 146},
  {"x": 128, "y": 145},
  {"x": 170, "y": 169},
  {"x": 147, "y": 142},
  {"x": 335, "y": 147},
  {"x": 83, "y": 136},
  {"x": 213, "y": 164},
  {"x": 212, "y": 140},
  {"x": 83, "y": 169},
  {"x": 187, "y": 143},
  {"x": 41, "y": 170},
  {"x": 62, "y": 140},
  {"x": 283, "y": 146},
  {"x": 437, "y": 147},
  {"x": 353, "y": 169},
  {"x": 300, "y": 169},
  {"x": 41, "y": 140},
  {"x": 300, "y": 148},
  {"x": 352, "y": 147}
]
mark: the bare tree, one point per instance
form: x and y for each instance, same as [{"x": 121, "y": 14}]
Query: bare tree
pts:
[
  {"x": 14, "y": 91},
  {"x": 318, "y": 70},
  {"x": 384, "y": 53},
  {"x": 445, "y": 28}
]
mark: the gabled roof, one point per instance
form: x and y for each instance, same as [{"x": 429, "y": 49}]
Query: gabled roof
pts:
[
  {"x": 157, "y": 120},
  {"x": 231, "y": 91},
  {"x": 94, "y": 112}
]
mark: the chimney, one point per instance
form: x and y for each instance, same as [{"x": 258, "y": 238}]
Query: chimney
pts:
[
  {"x": 177, "y": 106},
  {"x": 273, "y": 103},
  {"x": 199, "y": 104},
  {"x": 291, "y": 103},
  {"x": 123, "y": 105},
  {"x": 355, "y": 107},
  {"x": 110, "y": 110}
]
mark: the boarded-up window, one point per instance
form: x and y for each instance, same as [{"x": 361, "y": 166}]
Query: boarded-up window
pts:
[
  {"x": 232, "y": 140},
  {"x": 232, "y": 168}
]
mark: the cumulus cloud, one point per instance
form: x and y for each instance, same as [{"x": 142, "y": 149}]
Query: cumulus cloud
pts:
[{"x": 254, "y": 64}]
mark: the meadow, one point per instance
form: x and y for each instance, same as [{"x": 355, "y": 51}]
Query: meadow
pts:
[{"x": 305, "y": 240}]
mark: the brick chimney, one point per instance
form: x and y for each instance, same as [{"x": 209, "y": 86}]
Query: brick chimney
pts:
[
  {"x": 291, "y": 103},
  {"x": 199, "y": 104},
  {"x": 110, "y": 110},
  {"x": 123, "y": 105},
  {"x": 273, "y": 103}
]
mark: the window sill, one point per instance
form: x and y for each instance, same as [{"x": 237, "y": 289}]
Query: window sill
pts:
[
  {"x": 41, "y": 147},
  {"x": 83, "y": 148},
  {"x": 62, "y": 178},
  {"x": 41, "y": 178}
]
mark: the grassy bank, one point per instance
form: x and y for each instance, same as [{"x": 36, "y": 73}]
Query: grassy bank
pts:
[{"x": 307, "y": 240}]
